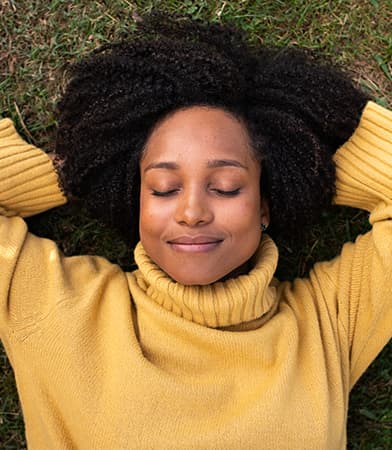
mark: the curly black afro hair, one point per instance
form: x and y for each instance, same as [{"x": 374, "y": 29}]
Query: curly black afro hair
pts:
[{"x": 298, "y": 111}]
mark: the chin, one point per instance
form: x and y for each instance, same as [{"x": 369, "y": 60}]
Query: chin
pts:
[{"x": 192, "y": 277}]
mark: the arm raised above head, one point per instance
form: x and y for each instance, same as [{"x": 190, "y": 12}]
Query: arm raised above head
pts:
[
  {"x": 364, "y": 180},
  {"x": 35, "y": 277},
  {"x": 356, "y": 286}
]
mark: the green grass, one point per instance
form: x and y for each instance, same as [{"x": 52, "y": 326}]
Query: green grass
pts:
[{"x": 39, "y": 39}]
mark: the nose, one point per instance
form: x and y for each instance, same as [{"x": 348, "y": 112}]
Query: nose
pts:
[{"x": 193, "y": 208}]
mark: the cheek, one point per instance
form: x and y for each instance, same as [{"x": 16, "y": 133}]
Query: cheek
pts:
[
  {"x": 146, "y": 217},
  {"x": 244, "y": 217},
  {"x": 153, "y": 216}
]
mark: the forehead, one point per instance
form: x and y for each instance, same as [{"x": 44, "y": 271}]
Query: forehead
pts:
[{"x": 199, "y": 132}]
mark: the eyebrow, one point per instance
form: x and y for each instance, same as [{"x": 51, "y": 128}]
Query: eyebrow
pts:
[
  {"x": 211, "y": 164},
  {"x": 225, "y": 163}
]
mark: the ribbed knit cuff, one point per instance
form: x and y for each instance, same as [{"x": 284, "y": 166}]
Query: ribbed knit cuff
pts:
[
  {"x": 364, "y": 163},
  {"x": 28, "y": 180}
]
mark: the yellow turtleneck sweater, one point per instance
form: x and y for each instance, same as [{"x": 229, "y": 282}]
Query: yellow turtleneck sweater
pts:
[{"x": 110, "y": 360}]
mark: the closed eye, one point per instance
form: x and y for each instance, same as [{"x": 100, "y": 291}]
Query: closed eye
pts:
[
  {"x": 227, "y": 193},
  {"x": 164, "y": 193},
  {"x": 221, "y": 192}
]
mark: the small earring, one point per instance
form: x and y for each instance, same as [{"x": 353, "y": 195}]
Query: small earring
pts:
[{"x": 263, "y": 227}]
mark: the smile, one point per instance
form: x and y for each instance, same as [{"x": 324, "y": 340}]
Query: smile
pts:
[{"x": 197, "y": 244}]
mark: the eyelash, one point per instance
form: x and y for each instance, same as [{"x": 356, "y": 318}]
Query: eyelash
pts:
[
  {"x": 164, "y": 193},
  {"x": 218, "y": 191},
  {"x": 227, "y": 193}
]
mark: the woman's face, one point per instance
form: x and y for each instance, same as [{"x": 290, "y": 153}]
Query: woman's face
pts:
[{"x": 200, "y": 204}]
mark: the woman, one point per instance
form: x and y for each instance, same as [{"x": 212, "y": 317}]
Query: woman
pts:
[{"x": 195, "y": 142}]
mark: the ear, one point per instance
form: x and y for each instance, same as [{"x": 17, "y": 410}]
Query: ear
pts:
[{"x": 264, "y": 212}]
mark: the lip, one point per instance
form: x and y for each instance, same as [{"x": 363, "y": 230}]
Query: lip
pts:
[{"x": 194, "y": 244}]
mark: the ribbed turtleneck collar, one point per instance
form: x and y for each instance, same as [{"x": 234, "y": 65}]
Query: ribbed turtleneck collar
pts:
[{"x": 222, "y": 304}]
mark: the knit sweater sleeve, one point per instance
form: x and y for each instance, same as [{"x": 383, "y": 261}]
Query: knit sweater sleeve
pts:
[
  {"x": 28, "y": 181},
  {"x": 35, "y": 277},
  {"x": 357, "y": 285}
]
